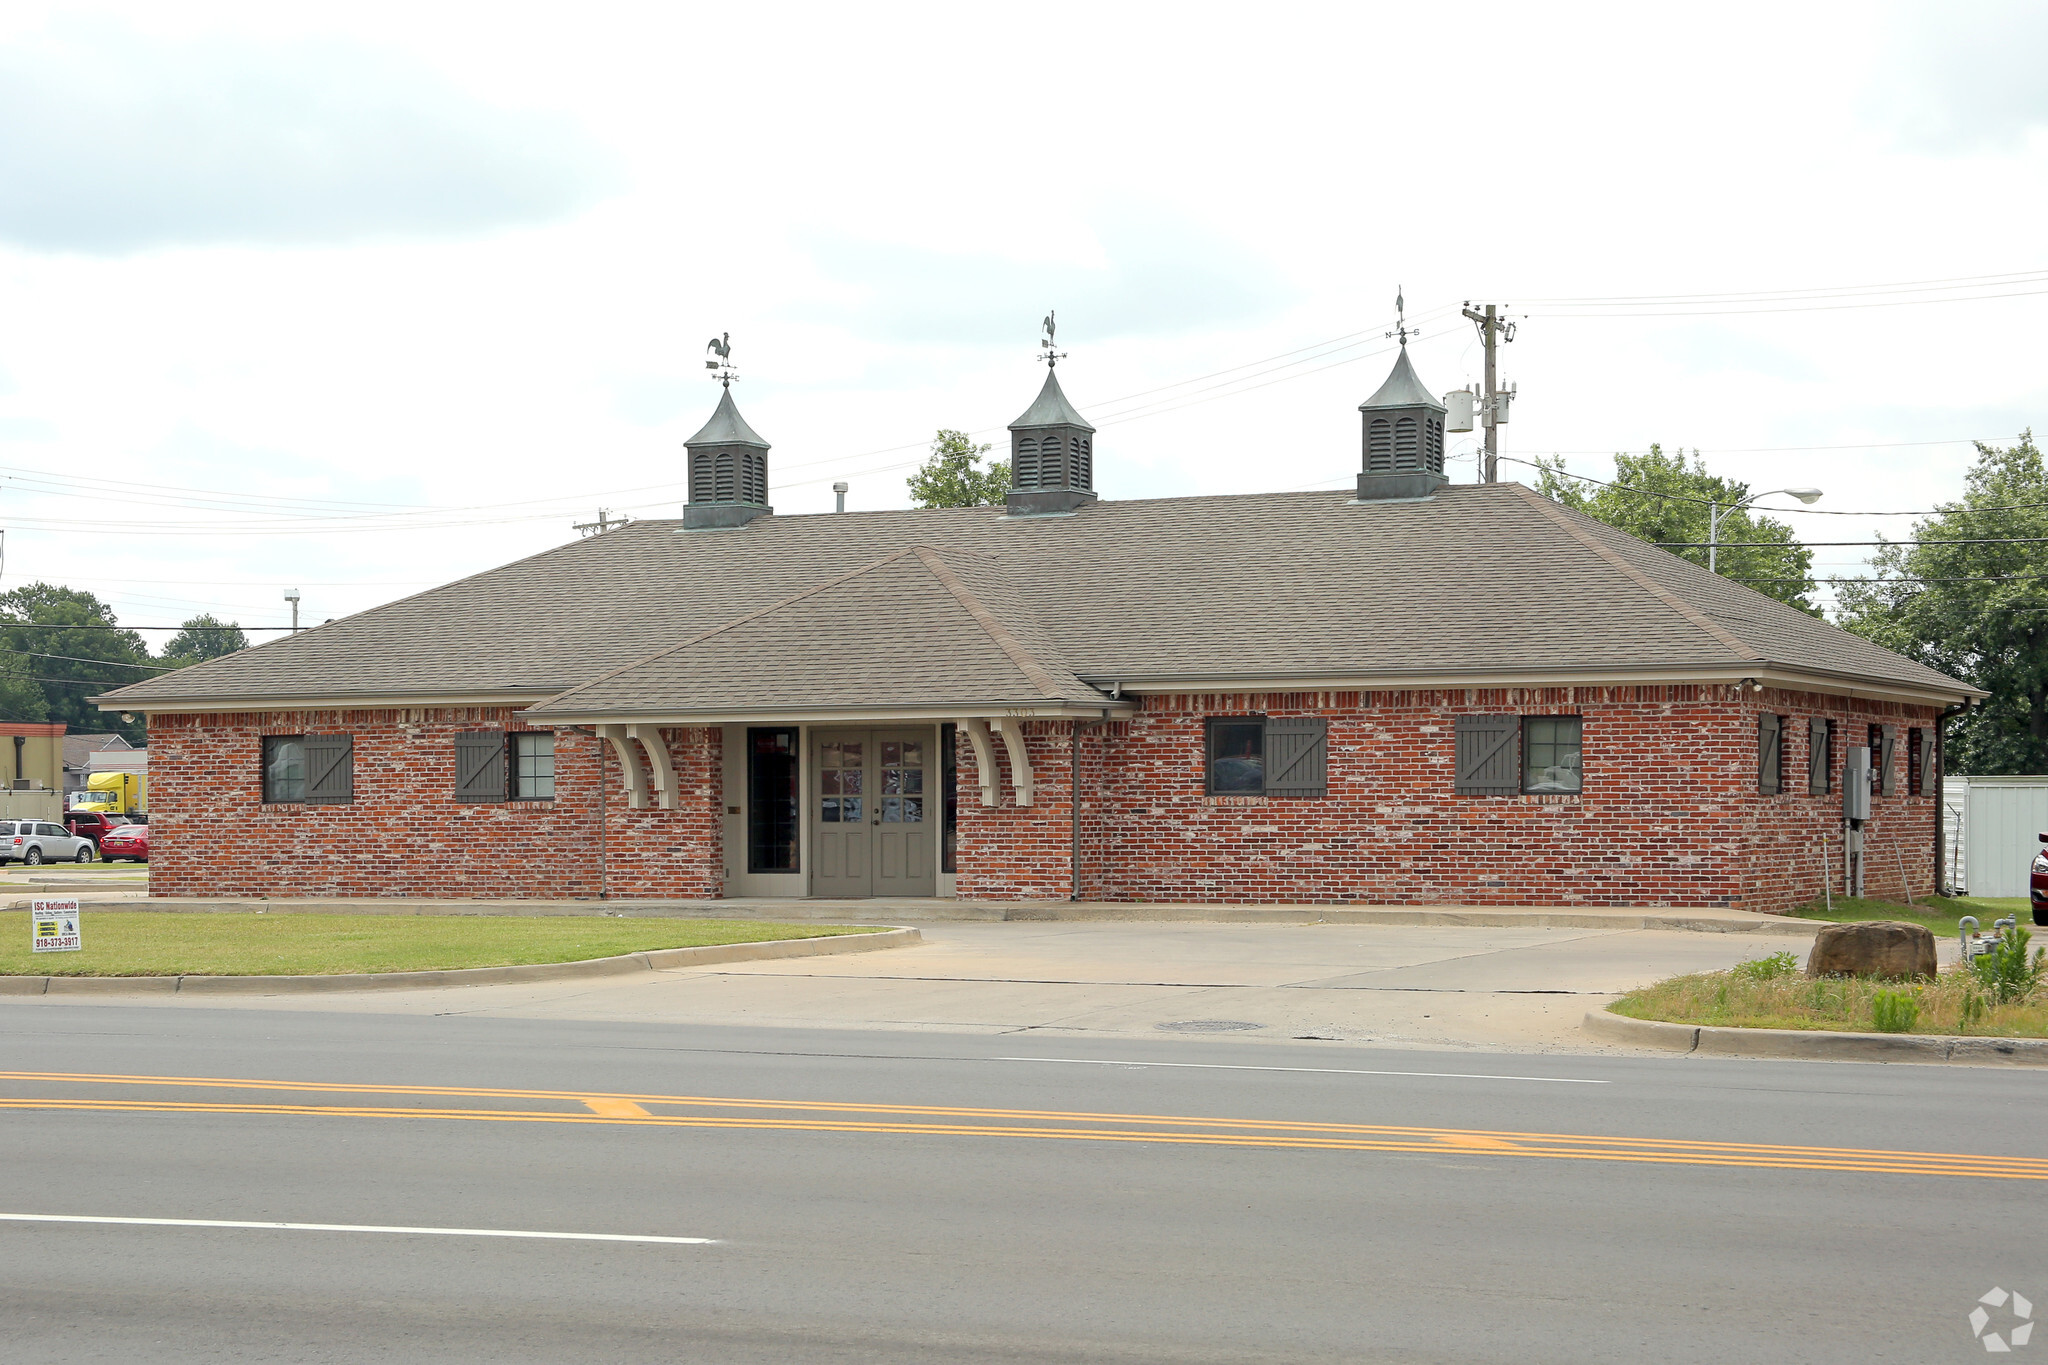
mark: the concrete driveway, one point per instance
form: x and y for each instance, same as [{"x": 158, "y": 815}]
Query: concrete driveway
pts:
[{"x": 1513, "y": 988}]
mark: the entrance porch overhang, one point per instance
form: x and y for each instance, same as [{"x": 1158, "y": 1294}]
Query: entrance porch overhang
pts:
[{"x": 982, "y": 727}]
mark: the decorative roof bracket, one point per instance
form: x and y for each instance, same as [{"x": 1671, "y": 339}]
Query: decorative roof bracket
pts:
[
  {"x": 657, "y": 759},
  {"x": 1012, "y": 732},
  {"x": 636, "y": 780},
  {"x": 984, "y": 759}
]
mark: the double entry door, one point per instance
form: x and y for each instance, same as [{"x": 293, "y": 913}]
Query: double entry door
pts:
[{"x": 874, "y": 812}]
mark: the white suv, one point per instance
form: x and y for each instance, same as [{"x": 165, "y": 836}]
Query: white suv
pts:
[{"x": 34, "y": 841}]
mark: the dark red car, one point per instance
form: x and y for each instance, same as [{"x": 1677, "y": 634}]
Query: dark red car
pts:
[
  {"x": 87, "y": 824},
  {"x": 125, "y": 841}
]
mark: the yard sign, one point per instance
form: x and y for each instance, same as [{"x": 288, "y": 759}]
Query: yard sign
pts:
[{"x": 56, "y": 926}]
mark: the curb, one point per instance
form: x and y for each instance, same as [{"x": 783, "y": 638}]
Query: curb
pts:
[
  {"x": 653, "y": 960},
  {"x": 1705, "y": 1040},
  {"x": 935, "y": 910}
]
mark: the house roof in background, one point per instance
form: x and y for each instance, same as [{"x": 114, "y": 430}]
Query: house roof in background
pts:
[{"x": 1479, "y": 579}]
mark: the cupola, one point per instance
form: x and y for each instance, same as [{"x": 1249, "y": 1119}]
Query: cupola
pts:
[
  {"x": 1052, "y": 449},
  {"x": 728, "y": 461},
  {"x": 1404, "y": 438}
]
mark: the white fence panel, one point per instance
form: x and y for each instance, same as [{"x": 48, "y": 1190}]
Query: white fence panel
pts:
[{"x": 2003, "y": 821}]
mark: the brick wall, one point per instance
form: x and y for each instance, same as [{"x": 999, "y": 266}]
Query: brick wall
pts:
[
  {"x": 1670, "y": 814},
  {"x": 1792, "y": 834},
  {"x": 404, "y": 834}
]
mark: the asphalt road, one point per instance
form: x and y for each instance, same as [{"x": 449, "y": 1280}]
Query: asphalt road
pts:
[{"x": 1249, "y": 1202}]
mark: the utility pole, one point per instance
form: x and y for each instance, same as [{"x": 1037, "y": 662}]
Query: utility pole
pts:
[
  {"x": 291, "y": 595},
  {"x": 605, "y": 521},
  {"x": 1493, "y": 403}
]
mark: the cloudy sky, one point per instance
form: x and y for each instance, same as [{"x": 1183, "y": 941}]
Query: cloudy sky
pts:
[{"x": 363, "y": 298}]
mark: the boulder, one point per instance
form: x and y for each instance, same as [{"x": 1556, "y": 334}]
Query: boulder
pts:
[{"x": 1882, "y": 948}]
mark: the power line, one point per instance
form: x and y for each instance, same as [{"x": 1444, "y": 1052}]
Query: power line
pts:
[
  {"x": 1804, "y": 511},
  {"x": 109, "y": 663},
  {"x": 1800, "y": 544},
  {"x": 100, "y": 625}
]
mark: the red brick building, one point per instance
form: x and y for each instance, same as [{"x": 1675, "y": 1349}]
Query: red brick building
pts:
[{"x": 1410, "y": 692}]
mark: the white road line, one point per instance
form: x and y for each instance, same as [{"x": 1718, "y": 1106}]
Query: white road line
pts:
[
  {"x": 1318, "y": 1070},
  {"x": 354, "y": 1227}
]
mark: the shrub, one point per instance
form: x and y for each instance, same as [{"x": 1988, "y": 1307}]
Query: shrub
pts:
[
  {"x": 2005, "y": 972},
  {"x": 1894, "y": 1011},
  {"x": 1767, "y": 968}
]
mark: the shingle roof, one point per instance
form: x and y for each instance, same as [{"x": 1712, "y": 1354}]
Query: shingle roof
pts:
[
  {"x": 919, "y": 628},
  {"x": 1481, "y": 578}
]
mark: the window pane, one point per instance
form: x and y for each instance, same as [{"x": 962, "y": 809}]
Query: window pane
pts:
[
  {"x": 534, "y": 774},
  {"x": 284, "y": 768},
  {"x": 849, "y": 808},
  {"x": 772, "y": 800},
  {"x": 1237, "y": 756},
  {"x": 1550, "y": 754}
]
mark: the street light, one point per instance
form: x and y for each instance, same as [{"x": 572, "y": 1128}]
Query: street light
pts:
[
  {"x": 291, "y": 595},
  {"x": 1805, "y": 495}
]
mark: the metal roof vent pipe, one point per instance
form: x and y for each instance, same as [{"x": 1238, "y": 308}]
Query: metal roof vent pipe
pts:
[{"x": 839, "y": 491}]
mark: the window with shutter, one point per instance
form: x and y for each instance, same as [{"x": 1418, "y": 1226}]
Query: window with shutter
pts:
[
  {"x": 330, "y": 770},
  {"x": 1297, "y": 757},
  {"x": 1488, "y": 757},
  {"x": 1820, "y": 744},
  {"x": 1770, "y": 754},
  {"x": 1551, "y": 752},
  {"x": 1236, "y": 755},
  {"x": 480, "y": 765},
  {"x": 284, "y": 768},
  {"x": 1887, "y": 750}
]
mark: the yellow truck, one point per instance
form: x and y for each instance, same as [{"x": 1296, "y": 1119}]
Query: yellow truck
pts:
[{"x": 114, "y": 794}]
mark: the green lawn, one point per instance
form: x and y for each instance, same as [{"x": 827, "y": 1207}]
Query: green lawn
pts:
[
  {"x": 1786, "y": 999},
  {"x": 158, "y": 943},
  {"x": 1940, "y": 914}
]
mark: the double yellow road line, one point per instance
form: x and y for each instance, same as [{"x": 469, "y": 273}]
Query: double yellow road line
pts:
[{"x": 491, "y": 1105}]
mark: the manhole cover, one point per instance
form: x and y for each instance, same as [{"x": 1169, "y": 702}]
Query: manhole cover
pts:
[{"x": 1209, "y": 1026}]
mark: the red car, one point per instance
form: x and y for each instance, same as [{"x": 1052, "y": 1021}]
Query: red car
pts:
[{"x": 125, "y": 841}]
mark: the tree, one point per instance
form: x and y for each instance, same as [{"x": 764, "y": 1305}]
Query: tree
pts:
[
  {"x": 202, "y": 638},
  {"x": 76, "y": 651},
  {"x": 950, "y": 477},
  {"x": 21, "y": 696},
  {"x": 1975, "y": 612},
  {"x": 1659, "y": 497}
]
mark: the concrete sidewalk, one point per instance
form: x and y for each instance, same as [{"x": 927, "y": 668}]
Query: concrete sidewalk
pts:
[{"x": 1517, "y": 988}]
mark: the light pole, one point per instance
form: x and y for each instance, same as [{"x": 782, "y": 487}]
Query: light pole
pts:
[
  {"x": 291, "y": 595},
  {"x": 1714, "y": 509}
]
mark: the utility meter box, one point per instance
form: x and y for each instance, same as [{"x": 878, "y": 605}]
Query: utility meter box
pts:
[
  {"x": 1856, "y": 783},
  {"x": 1458, "y": 406}
]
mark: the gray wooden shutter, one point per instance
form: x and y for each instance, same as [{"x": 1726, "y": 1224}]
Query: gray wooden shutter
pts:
[
  {"x": 1929, "y": 771},
  {"x": 1888, "y": 749},
  {"x": 1816, "y": 757},
  {"x": 480, "y": 765},
  {"x": 1297, "y": 762},
  {"x": 1770, "y": 747},
  {"x": 1489, "y": 756},
  {"x": 330, "y": 770}
]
